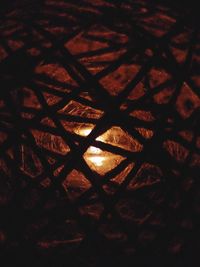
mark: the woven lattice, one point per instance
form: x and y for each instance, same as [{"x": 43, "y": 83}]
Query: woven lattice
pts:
[{"x": 99, "y": 133}]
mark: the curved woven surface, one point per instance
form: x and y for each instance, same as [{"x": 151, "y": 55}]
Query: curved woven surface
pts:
[{"x": 80, "y": 78}]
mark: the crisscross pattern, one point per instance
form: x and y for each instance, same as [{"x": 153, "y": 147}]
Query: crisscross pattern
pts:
[{"x": 99, "y": 132}]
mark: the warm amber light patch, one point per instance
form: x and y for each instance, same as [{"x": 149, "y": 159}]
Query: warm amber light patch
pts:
[
  {"x": 84, "y": 131},
  {"x": 104, "y": 161},
  {"x": 50, "y": 142},
  {"x": 76, "y": 184},
  {"x": 101, "y": 161},
  {"x": 96, "y": 157},
  {"x": 117, "y": 137},
  {"x": 114, "y": 136},
  {"x": 74, "y": 108}
]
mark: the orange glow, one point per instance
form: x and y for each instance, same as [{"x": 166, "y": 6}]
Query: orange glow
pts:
[
  {"x": 99, "y": 160},
  {"x": 84, "y": 132},
  {"x": 94, "y": 155}
]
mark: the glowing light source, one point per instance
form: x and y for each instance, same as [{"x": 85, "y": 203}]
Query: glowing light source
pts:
[
  {"x": 103, "y": 161},
  {"x": 84, "y": 131},
  {"x": 95, "y": 156}
]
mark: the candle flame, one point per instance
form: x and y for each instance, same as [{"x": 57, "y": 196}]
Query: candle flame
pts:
[
  {"x": 97, "y": 160},
  {"x": 94, "y": 155},
  {"x": 94, "y": 150},
  {"x": 85, "y": 132}
]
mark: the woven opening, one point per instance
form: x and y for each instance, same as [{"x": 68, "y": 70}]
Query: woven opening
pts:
[{"x": 99, "y": 133}]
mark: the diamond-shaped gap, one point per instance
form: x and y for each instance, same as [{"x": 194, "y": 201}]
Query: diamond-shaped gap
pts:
[
  {"x": 138, "y": 91},
  {"x": 51, "y": 99},
  {"x": 143, "y": 115},
  {"x": 81, "y": 129},
  {"x": 147, "y": 175},
  {"x": 176, "y": 150},
  {"x": 179, "y": 54},
  {"x": 158, "y": 76},
  {"x": 75, "y": 108},
  {"x": 81, "y": 44},
  {"x": 106, "y": 35},
  {"x": 187, "y": 135},
  {"x": 117, "y": 80},
  {"x": 187, "y": 101},
  {"x": 113, "y": 184},
  {"x": 156, "y": 23},
  {"x": 133, "y": 211},
  {"x": 30, "y": 164},
  {"x": 15, "y": 44},
  {"x": 96, "y": 61},
  {"x": 53, "y": 86},
  {"x": 48, "y": 122},
  {"x": 179, "y": 45},
  {"x": 116, "y": 136},
  {"x": 50, "y": 142},
  {"x": 76, "y": 184},
  {"x": 56, "y": 72},
  {"x": 101, "y": 161},
  {"x": 144, "y": 132},
  {"x": 119, "y": 178},
  {"x": 30, "y": 100},
  {"x": 164, "y": 96},
  {"x": 92, "y": 211},
  {"x": 79, "y": 110}
]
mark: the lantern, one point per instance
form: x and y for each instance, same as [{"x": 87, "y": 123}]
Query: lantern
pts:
[{"x": 100, "y": 145}]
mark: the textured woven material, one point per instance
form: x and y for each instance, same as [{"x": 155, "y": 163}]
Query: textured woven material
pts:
[{"x": 99, "y": 134}]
